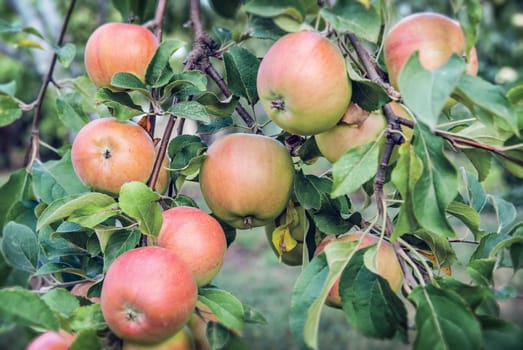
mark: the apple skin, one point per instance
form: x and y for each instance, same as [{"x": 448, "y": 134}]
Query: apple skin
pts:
[
  {"x": 387, "y": 263},
  {"x": 181, "y": 340},
  {"x": 52, "y": 340},
  {"x": 303, "y": 84},
  {"x": 435, "y": 36},
  {"x": 118, "y": 47},
  {"x": 336, "y": 141},
  {"x": 197, "y": 238},
  {"x": 106, "y": 153},
  {"x": 148, "y": 294},
  {"x": 246, "y": 179}
]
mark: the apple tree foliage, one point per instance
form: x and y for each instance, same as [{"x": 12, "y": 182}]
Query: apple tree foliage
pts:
[{"x": 55, "y": 232}]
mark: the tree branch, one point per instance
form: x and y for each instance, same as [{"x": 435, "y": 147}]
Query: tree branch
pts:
[{"x": 33, "y": 150}]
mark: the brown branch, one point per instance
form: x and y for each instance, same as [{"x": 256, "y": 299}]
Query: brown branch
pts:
[{"x": 33, "y": 150}]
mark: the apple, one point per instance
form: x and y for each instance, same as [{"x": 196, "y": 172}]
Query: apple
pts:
[
  {"x": 181, "y": 340},
  {"x": 435, "y": 36},
  {"x": 246, "y": 179},
  {"x": 148, "y": 294},
  {"x": 81, "y": 290},
  {"x": 298, "y": 228},
  {"x": 303, "y": 84},
  {"x": 387, "y": 263},
  {"x": 118, "y": 47},
  {"x": 197, "y": 238},
  {"x": 106, "y": 153},
  {"x": 361, "y": 128},
  {"x": 52, "y": 340}
]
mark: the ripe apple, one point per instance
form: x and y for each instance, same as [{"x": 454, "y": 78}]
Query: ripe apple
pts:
[
  {"x": 298, "y": 228},
  {"x": 52, "y": 340},
  {"x": 365, "y": 128},
  {"x": 197, "y": 238},
  {"x": 107, "y": 153},
  {"x": 246, "y": 179},
  {"x": 181, "y": 340},
  {"x": 148, "y": 294},
  {"x": 435, "y": 36},
  {"x": 387, "y": 263},
  {"x": 118, "y": 47},
  {"x": 303, "y": 84}
]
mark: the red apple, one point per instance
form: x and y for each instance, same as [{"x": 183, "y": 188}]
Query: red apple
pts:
[
  {"x": 107, "y": 153},
  {"x": 118, "y": 47},
  {"x": 181, "y": 340},
  {"x": 246, "y": 179},
  {"x": 197, "y": 238},
  {"x": 148, "y": 294},
  {"x": 387, "y": 263},
  {"x": 52, "y": 340},
  {"x": 303, "y": 83},
  {"x": 435, "y": 36}
]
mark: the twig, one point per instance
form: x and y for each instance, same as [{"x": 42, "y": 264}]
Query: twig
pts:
[{"x": 33, "y": 150}]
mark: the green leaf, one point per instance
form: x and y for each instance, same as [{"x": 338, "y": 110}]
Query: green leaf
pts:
[
  {"x": 368, "y": 94},
  {"x": 438, "y": 184},
  {"x": 329, "y": 220},
  {"x": 12, "y": 192},
  {"x": 354, "y": 168},
  {"x": 475, "y": 194},
  {"x": 9, "y": 110},
  {"x": 159, "y": 72},
  {"x": 9, "y": 88},
  {"x": 190, "y": 110},
  {"x": 441, "y": 248},
  {"x": 124, "y": 80},
  {"x": 264, "y": 28},
  {"x": 215, "y": 125},
  {"x": 348, "y": 16},
  {"x": 65, "y": 54},
  {"x": 487, "y": 101},
  {"x": 141, "y": 203},
  {"x": 186, "y": 153},
  {"x": 241, "y": 67},
  {"x": 54, "y": 267},
  {"x": 86, "y": 339},
  {"x": 251, "y": 315},
  {"x": 224, "y": 305},
  {"x": 214, "y": 106},
  {"x": 69, "y": 114},
  {"x": 217, "y": 335},
  {"x": 469, "y": 16},
  {"x": 404, "y": 176},
  {"x": 467, "y": 215},
  {"x": 426, "y": 92},
  {"x": 500, "y": 334},
  {"x": 88, "y": 317},
  {"x": 120, "y": 242},
  {"x": 90, "y": 203},
  {"x": 226, "y": 8},
  {"x": 27, "y": 309},
  {"x": 505, "y": 211},
  {"x": 274, "y": 8},
  {"x": 19, "y": 246},
  {"x": 120, "y": 104},
  {"x": 481, "y": 271},
  {"x": 139, "y": 10},
  {"x": 61, "y": 301},
  {"x": 475, "y": 296},
  {"x": 443, "y": 320},
  {"x": 306, "y": 192},
  {"x": 482, "y": 161},
  {"x": 368, "y": 302}
]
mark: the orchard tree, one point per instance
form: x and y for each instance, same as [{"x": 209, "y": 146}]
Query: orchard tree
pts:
[{"x": 284, "y": 114}]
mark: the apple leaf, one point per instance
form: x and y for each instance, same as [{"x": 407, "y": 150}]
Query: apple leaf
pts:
[
  {"x": 443, "y": 320},
  {"x": 185, "y": 84},
  {"x": 274, "y": 8},
  {"x": 65, "y": 54},
  {"x": 141, "y": 203},
  {"x": 86, "y": 339},
  {"x": 159, "y": 72},
  {"x": 404, "y": 176},
  {"x": 500, "y": 333},
  {"x": 27, "y": 309},
  {"x": 61, "y": 301},
  {"x": 241, "y": 67},
  {"x": 348, "y": 16},
  {"x": 355, "y": 167},
  {"x": 215, "y": 126},
  {"x": 425, "y": 92},
  {"x": 88, "y": 317},
  {"x": 481, "y": 271},
  {"x": 264, "y": 28},
  {"x": 224, "y": 305},
  {"x": 311, "y": 289},
  {"x": 186, "y": 152},
  {"x": 58, "y": 267},
  {"x": 19, "y": 246},
  {"x": 70, "y": 112},
  {"x": 120, "y": 104},
  {"x": 16, "y": 189},
  {"x": 468, "y": 215},
  {"x": 120, "y": 242},
  {"x": 475, "y": 296},
  {"x": 469, "y": 15},
  {"x": 306, "y": 192},
  {"x": 475, "y": 195},
  {"x": 487, "y": 102},
  {"x": 368, "y": 302},
  {"x": 506, "y": 212},
  {"x": 9, "y": 110},
  {"x": 8, "y": 89},
  {"x": 217, "y": 335},
  {"x": 129, "y": 81},
  {"x": 439, "y": 246},
  {"x": 368, "y": 94},
  {"x": 214, "y": 106},
  {"x": 437, "y": 186},
  {"x": 190, "y": 110},
  {"x": 96, "y": 207}
]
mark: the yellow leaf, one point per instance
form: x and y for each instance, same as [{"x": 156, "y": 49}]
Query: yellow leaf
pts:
[
  {"x": 291, "y": 215},
  {"x": 446, "y": 269},
  {"x": 365, "y": 3},
  {"x": 28, "y": 43},
  {"x": 283, "y": 240}
]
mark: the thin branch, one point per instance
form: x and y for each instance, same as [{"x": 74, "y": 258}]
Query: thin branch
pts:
[
  {"x": 33, "y": 151},
  {"x": 158, "y": 18}
]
